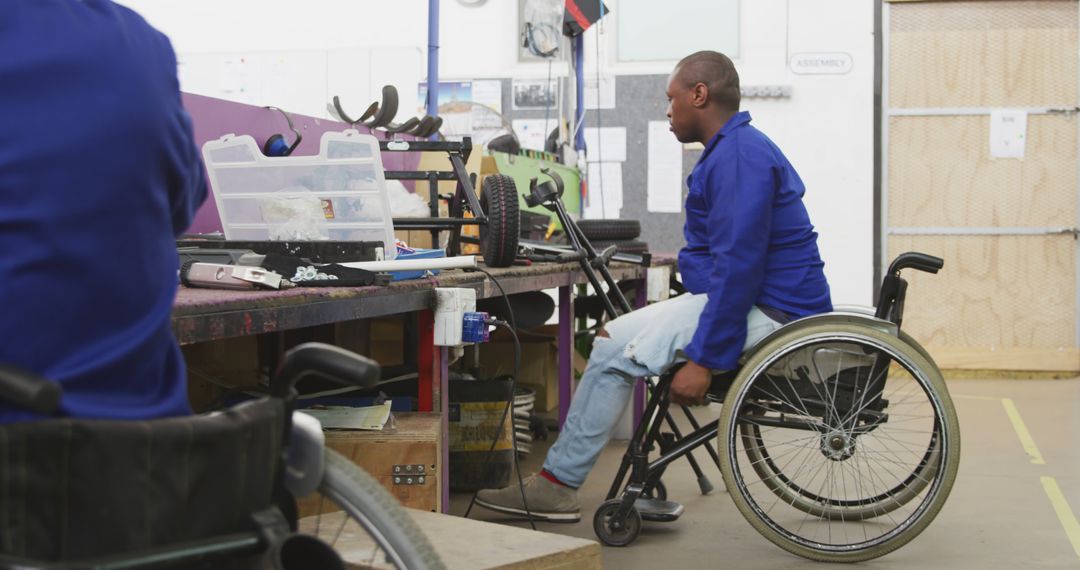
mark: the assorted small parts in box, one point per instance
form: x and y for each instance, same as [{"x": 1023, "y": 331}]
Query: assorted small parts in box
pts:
[{"x": 337, "y": 195}]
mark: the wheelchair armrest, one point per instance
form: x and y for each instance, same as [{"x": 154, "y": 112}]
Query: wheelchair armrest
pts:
[
  {"x": 325, "y": 361},
  {"x": 28, "y": 390}
]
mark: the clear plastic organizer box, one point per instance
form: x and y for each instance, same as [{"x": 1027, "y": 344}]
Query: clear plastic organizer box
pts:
[{"x": 338, "y": 195}]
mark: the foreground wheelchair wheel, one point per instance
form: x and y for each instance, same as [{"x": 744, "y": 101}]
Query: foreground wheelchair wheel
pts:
[
  {"x": 364, "y": 523},
  {"x": 841, "y": 442}
]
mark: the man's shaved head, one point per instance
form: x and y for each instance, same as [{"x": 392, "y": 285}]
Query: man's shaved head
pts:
[{"x": 717, "y": 72}]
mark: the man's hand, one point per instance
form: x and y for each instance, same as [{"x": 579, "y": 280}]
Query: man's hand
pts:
[{"x": 690, "y": 384}]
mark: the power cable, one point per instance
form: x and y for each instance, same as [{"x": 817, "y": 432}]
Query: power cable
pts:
[{"x": 512, "y": 328}]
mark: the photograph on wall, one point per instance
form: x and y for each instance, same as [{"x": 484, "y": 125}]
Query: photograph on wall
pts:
[{"x": 535, "y": 94}]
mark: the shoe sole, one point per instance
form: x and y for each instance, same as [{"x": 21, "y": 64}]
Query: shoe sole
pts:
[{"x": 537, "y": 515}]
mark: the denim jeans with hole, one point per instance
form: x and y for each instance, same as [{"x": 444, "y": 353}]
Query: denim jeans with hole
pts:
[{"x": 645, "y": 342}]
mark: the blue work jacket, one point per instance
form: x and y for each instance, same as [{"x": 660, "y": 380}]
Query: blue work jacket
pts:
[
  {"x": 749, "y": 241},
  {"x": 98, "y": 175}
]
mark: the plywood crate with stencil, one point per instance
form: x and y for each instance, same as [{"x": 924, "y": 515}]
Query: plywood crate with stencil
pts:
[{"x": 415, "y": 441}]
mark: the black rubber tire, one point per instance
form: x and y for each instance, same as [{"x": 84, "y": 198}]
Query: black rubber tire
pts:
[
  {"x": 610, "y": 230},
  {"x": 370, "y": 506},
  {"x": 631, "y": 246},
  {"x": 499, "y": 236},
  {"x": 616, "y": 537}
]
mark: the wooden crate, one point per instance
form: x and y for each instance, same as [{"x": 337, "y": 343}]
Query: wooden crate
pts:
[{"x": 415, "y": 441}]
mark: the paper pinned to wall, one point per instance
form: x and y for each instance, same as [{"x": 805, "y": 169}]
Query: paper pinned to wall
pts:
[
  {"x": 605, "y": 197},
  {"x": 532, "y": 133},
  {"x": 606, "y": 144},
  {"x": 664, "y": 170},
  {"x": 599, "y": 92},
  {"x": 1008, "y": 133}
]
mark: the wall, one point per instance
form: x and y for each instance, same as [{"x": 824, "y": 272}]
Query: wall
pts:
[{"x": 310, "y": 51}]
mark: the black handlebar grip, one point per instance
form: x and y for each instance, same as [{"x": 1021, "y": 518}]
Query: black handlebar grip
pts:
[
  {"x": 28, "y": 390},
  {"x": 916, "y": 260},
  {"x": 326, "y": 361}
]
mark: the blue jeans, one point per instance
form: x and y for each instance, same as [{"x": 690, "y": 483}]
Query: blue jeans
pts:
[{"x": 645, "y": 342}]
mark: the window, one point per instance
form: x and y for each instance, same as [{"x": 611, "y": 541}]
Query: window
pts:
[{"x": 665, "y": 31}]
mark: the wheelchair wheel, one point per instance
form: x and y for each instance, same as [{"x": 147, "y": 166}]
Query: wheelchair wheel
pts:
[
  {"x": 612, "y": 534},
  {"x": 762, "y": 461},
  {"x": 840, "y": 441},
  {"x": 354, "y": 507}
]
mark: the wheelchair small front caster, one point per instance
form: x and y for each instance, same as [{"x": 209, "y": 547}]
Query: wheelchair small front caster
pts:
[{"x": 612, "y": 531}]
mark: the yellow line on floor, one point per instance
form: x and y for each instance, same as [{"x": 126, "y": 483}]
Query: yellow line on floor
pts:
[
  {"x": 1064, "y": 513},
  {"x": 974, "y": 397},
  {"x": 1022, "y": 432}
]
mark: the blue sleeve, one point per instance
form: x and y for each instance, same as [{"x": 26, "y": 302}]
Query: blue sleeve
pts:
[
  {"x": 740, "y": 191},
  {"x": 187, "y": 181}
]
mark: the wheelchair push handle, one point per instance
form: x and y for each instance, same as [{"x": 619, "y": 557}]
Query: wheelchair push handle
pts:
[
  {"x": 916, "y": 260},
  {"x": 28, "y": 390},
  {"x": 328, "y": 362}
]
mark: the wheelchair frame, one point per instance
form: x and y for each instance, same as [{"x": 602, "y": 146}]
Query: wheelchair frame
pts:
[
  {"x": 271, "y": 538},
  {"x": 618, "y": 521}
]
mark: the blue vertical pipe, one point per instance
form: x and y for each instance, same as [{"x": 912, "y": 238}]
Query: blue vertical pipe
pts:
[
  {"x": 433, "y": 59},
  {"x": 579, "y": 82}
]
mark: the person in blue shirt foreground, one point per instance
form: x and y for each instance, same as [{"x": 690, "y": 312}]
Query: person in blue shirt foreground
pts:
[
  {"x": 98, "y": 175},
  {"x": 750, "y": 264}
]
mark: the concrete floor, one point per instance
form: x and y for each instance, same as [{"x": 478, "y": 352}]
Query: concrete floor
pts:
[{"x": 999, "y": 514}]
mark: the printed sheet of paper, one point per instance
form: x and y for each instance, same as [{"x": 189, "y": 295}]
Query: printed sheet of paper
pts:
[
  {"x": 664, "y": 188},
  {"x": 606, "y": 144},
  {"x": 345, "y": 417},
  {"x": 532, "y": 133},
  {"x": 605, "y": 197},
  {"x": 1008, "y": 133},
  {"x": 599, "y": 95}
]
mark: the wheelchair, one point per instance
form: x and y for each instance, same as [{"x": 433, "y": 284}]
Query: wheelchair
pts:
[
  {"x": 837, "y": 439},
  {"x": 214, "y": 490}
]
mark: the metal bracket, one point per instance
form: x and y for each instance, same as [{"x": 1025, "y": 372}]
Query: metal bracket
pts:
[{"x": 410, "y": 474}]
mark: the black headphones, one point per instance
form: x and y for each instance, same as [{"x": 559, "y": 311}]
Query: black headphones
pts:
[{"x": 276, "y": 145}]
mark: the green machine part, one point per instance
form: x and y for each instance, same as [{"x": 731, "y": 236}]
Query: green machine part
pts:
[{"x": 523, "y": 169}]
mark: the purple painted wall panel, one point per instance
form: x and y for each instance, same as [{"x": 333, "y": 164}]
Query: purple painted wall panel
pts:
[{"x": 214, "y": 118}]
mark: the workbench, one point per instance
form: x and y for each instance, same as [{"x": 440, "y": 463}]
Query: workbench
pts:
[{"x": 202, "y": 315}]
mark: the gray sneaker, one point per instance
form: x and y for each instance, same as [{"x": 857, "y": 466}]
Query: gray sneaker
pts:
[{"x": 547, "y": 501}]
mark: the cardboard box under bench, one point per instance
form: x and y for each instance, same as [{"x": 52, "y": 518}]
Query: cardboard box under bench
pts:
[{"x": 415, "y": 441}]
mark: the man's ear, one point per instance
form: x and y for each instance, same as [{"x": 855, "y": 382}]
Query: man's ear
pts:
[{"x": 699, "y": 95}]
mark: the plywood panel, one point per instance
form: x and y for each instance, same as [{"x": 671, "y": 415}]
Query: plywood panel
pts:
[
  {"x": 995, "y": 293},
  {"x": 941, "y": 174},
  {"x": 1009, "y": 358},
  {"x": 983, "y": 54}
]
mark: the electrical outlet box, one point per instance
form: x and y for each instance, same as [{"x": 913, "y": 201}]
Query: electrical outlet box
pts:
[{"x": 451, "y": 304}]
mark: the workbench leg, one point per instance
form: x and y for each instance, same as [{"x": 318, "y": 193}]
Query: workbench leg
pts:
[
  {"x": 426, "y": 363},
  {"x": 444, "y": 421},
  {"x": 639, "y": 387},
  {"x": 433, "y": 370},
  {"x": 566, "y": 350}
]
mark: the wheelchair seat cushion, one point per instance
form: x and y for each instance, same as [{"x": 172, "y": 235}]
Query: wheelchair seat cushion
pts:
[{"x": 74, "y": 488}]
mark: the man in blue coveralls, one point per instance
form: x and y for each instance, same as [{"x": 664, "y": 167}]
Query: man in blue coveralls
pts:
[
  {"x": 750, "y": 264},
  {"x": 98, "y": 175}
]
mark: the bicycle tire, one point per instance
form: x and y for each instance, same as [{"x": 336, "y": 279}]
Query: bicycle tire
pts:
[
  {"x": 499, "y": 236},
  {"x": 370, "y": 506}
]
